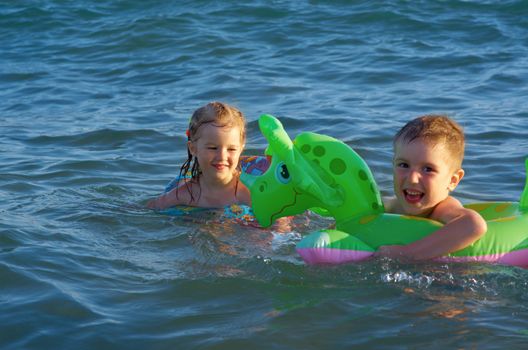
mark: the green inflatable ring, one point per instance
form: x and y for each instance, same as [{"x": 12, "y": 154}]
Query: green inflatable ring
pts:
[{"x": 321, "y": 173}]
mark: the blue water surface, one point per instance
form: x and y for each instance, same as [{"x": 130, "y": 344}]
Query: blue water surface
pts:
[{"x": 95, "y": 97}]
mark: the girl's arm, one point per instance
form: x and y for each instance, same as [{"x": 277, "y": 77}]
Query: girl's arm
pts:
[{"x": 166, "y": 200}]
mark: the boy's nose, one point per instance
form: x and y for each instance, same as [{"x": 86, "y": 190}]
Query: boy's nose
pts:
[{"x": 414, "y": 176}]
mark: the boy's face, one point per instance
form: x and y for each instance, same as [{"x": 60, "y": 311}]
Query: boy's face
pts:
[
  {"x": 218, "y": 150},
  {"x": 423, "y": 176}
]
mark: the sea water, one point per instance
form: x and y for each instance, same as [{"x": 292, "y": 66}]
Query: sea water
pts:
[{"x": 95, "y": 97}]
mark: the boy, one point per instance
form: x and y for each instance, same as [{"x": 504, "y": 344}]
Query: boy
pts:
[{"x": 428, "y": 154}]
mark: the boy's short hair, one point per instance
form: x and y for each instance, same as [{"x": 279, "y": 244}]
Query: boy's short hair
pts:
[{"x": 436, "y": 129}]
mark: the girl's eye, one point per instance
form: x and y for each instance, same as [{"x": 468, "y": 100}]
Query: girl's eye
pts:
[{"x": 402, "y": 165}]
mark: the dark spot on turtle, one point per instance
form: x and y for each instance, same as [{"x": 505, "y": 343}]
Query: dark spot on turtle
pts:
[
  {"x": 363, "y": 175},
  {"x": 319, "y": 151},
  {"x": 337, "y": 166}
]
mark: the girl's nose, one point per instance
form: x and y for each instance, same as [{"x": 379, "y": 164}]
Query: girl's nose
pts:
[{"x": 222, "y": 153}]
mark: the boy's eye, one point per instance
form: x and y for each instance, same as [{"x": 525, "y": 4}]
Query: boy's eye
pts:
[
  {"x": 428, "y": 169},
  {"x": 402, "y": 165}
]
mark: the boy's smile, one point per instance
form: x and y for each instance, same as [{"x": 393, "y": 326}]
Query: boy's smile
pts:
[
  {"x": 423, "y": 176},
  {"x": 412, "y": 196}
]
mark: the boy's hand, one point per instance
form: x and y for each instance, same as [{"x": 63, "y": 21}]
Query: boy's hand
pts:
[{"x": 397, "y": 252}]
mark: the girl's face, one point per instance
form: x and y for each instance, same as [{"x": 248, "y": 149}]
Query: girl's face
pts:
[
  {"x": 218, "y": 150},
  {"x": 423, "y": 176}
]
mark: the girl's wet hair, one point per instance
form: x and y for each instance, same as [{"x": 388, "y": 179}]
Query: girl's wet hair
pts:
[{"x": 220, "y": 115}]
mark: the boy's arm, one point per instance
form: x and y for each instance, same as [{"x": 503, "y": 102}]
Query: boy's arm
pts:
[{"x": 461, "y": 228}]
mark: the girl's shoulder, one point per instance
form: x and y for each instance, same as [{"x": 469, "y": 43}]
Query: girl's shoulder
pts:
[
  {"x": 184, "y": 189},
  {"x": 243, "y": 195}
]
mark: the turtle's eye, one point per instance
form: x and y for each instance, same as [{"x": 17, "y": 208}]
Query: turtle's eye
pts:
[{"x": 282, "y": 173}]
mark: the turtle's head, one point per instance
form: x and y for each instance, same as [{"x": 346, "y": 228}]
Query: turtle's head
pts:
[{"x": 290, "y": 185}]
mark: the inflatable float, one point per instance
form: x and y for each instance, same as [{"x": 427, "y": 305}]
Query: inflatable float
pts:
[{"x": 318, "y": 171}]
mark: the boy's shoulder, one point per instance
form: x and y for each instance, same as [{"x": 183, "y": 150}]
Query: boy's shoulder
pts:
[{"x": 447, "y": 209}]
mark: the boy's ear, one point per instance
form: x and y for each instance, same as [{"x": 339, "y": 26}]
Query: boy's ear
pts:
[{"x": 455, "y": 179}]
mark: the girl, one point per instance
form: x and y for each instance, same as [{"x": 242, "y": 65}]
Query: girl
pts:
[{"x": 216, "y": 139}]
